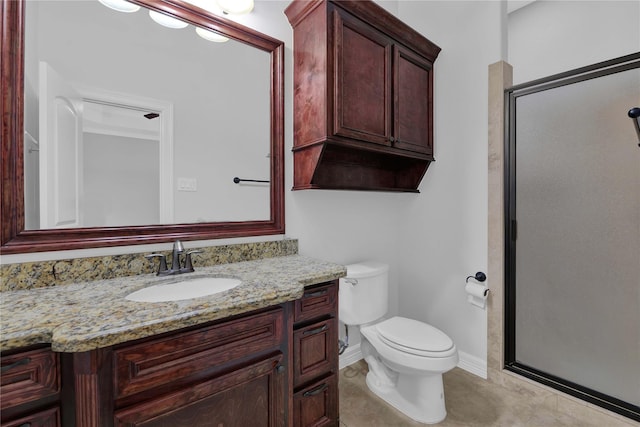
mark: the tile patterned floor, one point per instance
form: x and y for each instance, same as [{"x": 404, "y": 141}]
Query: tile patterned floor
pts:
[{"x": 470, "y": 400}]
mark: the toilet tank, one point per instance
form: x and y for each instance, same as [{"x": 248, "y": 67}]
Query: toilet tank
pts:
[{"x": 364, "y": 294}]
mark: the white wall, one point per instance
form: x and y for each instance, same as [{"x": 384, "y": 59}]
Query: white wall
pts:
[
  {"x": 550, "y": 37},
  {"x": 444, "y": 236},
  {"x": 435, "y": 239},
  {"x": 339, "y": 226}
]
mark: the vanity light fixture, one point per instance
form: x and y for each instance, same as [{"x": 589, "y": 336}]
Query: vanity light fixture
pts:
[
  {"x": 211, "y": 36},
  {"x": 120, "y": 5},
  {"x": 236, "y": 7},
  {"x": 166, "y": 21}
]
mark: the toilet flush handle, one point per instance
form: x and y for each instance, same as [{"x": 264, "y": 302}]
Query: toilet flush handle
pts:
[{"x": 352, "y": 282}]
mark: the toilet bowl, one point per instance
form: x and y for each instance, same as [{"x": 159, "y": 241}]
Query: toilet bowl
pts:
[{"x": 406, "y": 357}]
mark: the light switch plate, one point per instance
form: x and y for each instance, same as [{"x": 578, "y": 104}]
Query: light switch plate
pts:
[{"x": 187, "y": 184}]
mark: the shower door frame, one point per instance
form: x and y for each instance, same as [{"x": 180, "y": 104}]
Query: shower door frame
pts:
[{"x": 511, "y": 95}]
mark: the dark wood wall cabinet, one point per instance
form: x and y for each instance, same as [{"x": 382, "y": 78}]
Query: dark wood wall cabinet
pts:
[
  {"x": 273, "y": 367},
  {"x": 363, "y": 97}
]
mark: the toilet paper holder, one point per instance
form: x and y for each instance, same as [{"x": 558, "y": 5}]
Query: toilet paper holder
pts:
[
  {"x": 479, "y": 276},
  {"x": 477, "y": 293}
]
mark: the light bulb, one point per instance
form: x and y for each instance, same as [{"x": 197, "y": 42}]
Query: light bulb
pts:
[
  {"x": 211, "y": 36},
  {"x": 208, "y": 5},
  {"x": 236, "y": 7},
  {"x": 166, "y": 21},
  {"x": 120, "y": 5}
]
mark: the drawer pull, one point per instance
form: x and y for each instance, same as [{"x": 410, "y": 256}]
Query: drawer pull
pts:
[
  {"x": 316, "y": 330},
  {"x": 317, "y": 390},
  {"x": 14, "y": 364},
  {"x": 25, "y": 425},
  {"x": 316, "y": 293}
]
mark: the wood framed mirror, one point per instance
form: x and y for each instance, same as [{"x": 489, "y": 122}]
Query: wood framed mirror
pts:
[{"x": 17, "y": 238}]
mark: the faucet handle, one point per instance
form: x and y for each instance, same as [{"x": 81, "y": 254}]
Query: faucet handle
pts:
[
  {"x": 162, "y": 266},
  {"x": 188, "y": 265}
]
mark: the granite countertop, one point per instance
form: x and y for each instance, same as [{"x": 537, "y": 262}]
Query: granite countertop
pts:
[{"x": 85, "y": 316}]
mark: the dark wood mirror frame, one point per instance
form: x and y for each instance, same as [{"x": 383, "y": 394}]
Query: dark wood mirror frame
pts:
[{"x": 15, "y": 239}]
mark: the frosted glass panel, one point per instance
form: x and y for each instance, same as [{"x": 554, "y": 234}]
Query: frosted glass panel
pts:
[{"x": 578, "y": 241}]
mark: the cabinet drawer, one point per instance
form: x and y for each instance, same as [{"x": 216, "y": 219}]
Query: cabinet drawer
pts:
[
  {"x": 48, "y": 418},
  {"x": 194, "y": 354},
  {"x": 317, "y": 404},
  {"x": 29, "y": 376},
  {"x": 315, "y": 351},
  {"x": 316, "y": 302}
]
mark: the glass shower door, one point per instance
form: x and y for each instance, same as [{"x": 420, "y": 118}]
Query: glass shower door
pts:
[{"x": 574, "y": 235}]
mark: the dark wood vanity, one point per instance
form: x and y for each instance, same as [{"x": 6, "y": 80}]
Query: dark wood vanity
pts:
[
  {"x": 363, "y": 98},
  {"x": 271, "y": 367}
]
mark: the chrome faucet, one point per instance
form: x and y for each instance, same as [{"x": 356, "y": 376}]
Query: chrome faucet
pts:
[{"x": 176, "y": 268}]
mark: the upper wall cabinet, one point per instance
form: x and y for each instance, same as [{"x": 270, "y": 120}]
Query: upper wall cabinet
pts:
[{"x": 363, "y": 98}]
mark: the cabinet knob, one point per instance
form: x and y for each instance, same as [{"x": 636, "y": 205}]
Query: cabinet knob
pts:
[
  {"x": 392, "y": 139},
  {"x": 315, "y": 294},
  {"x": 315, "y": 331},
  {"x": 280, "y": 369},
  {"x": 317, "y": 390}
]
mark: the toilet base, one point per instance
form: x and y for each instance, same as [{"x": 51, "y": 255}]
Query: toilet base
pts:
[{"x": 421, "y": 398}]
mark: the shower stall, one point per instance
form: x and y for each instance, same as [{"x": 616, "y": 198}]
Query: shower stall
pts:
[{"x": 572, "y": 225}]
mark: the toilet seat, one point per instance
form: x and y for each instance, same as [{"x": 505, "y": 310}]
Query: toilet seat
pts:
[{"x": 415, "y": 337}]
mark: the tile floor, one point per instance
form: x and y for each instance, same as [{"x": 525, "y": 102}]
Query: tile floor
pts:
[{"x": 470, "y": 401}]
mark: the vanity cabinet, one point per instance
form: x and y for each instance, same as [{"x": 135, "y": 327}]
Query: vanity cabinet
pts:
[
  {"x": 363, "y": 95},
  {"x": 273, "y": 367},
  {"x": 30, "y": 388},
  {"x": 229, "y": 372},
  {"x": 315, "y": 357}
]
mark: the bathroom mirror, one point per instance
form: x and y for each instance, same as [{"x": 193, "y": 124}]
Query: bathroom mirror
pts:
[{"x": 221, "y": 102}]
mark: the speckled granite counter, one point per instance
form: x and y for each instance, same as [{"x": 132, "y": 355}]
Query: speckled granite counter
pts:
[{"x": 84, "y": 316}]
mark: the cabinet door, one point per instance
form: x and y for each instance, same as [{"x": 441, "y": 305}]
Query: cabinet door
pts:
[
  {"x": 315, "y": 351},
  {"x": 413, "y": 93},
  {"x": 362, "y": 81},
  {"x": 29, "y": 376},
  {"x": 251, "y": 396},
  {"x": 317, "y": 404}
]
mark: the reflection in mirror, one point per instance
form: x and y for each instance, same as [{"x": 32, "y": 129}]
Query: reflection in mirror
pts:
[
  {"x": 122, "y": 131},
  {"x": 130, "y": 122}
]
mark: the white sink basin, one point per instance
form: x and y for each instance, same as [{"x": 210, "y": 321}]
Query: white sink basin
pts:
[{"x": 177, "y": 289}]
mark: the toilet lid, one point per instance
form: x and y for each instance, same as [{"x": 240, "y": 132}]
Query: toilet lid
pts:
[{"x": 413, "y": 336}]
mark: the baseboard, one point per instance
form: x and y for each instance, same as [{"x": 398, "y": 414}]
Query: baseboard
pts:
[
  {"x": 351, "y": 355},
  {"x": 472, "y": 364},
  {"x": 469, "y": 363}
]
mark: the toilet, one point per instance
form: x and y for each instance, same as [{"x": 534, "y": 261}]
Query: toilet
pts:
[{"x": 406, "y": 357}]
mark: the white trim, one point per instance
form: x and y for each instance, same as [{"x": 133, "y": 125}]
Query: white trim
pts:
[
  {"x": 472, "y": 364},
  {"x": 165, "y": 109},
  {"x": 350, "y": 356}
]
